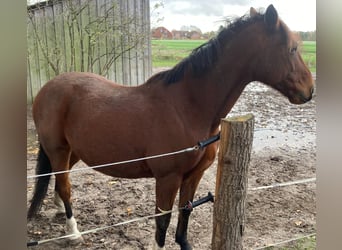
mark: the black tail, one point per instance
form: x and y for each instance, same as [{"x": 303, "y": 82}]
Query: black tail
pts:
[{"x": 42, "y": 183}]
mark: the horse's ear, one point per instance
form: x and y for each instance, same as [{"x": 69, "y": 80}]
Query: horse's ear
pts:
[
  {"x": 253, "y": 12},
  {"x": 271, "y": 17}
]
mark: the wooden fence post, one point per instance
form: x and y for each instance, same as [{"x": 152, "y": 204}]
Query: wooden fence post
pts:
[{"x": 231, "y": 182}]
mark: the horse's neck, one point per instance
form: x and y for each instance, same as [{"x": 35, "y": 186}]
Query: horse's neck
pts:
[{"x": 215, "y": 94}]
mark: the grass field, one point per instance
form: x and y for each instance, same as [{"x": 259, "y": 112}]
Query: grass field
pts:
[
  {"x": 167, "y": 53},
  {"x": 302, "y": 244},
  {"x": 308, "y": 50}
]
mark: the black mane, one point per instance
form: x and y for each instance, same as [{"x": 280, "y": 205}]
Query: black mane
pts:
[{"x": 204, "y": 57}]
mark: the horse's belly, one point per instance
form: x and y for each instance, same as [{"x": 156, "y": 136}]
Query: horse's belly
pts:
[
  {"x": 127, "y": 170},
  {"x": 123, "y": 170}
]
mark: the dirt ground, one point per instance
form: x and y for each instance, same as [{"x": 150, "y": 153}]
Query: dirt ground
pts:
[{"x": 284, "y": 149}]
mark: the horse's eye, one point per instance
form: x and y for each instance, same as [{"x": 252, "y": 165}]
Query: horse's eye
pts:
[{"x": 293, "y": 50}]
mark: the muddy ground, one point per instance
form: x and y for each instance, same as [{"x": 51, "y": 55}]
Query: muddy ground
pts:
[{"x": 284, "y": 149}]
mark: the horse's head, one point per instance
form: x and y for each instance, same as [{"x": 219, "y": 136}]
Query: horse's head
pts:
[{"x": 280, "y": 64}]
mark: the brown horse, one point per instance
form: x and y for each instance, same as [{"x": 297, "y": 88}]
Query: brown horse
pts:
[{"x": 85, "y": 116}]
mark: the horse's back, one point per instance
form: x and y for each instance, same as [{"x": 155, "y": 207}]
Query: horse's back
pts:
[
  {"x": 61, "y": 95},
  {"x": 63, "y": 90},
  {"x": 73, "y": 83}
]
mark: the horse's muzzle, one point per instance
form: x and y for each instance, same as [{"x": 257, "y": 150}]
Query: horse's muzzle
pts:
[{"x": 301, "y": 98}]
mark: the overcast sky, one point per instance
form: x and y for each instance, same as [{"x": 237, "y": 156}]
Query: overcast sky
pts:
[{"x": 299, "y": 15}]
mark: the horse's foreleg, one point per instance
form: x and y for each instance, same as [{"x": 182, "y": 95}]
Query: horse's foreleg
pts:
[
  {"x": 187, "y": 192},
  {"x": 166, "y": 190}
]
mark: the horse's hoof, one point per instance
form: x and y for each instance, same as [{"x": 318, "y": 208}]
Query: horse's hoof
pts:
[
  {"x": 77, "y": 240},
  {"x": 155, "y": 246},
  {"x": 60, "y": 216},
  {"x": 186, "y": 246},
  {"x": 68, "y": 242},
  {"x": 60, "y": 213}
]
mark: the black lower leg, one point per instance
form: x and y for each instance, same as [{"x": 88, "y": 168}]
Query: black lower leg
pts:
[
  {"x": 68, "y": 210},
  {"x": 162, "y": 223},
  {"x": 182, "y": 226}
]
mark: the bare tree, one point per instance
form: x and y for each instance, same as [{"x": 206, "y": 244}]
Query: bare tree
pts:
[{"x": 85, "y": 35}]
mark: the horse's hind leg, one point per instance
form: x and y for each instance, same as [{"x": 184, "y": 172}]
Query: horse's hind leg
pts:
[
  {"x": 63, "y": 188},
  {"x": 166, "y": 190},
  {"x": 59, "y": 203},
  {"x": 57, "y": 199}
]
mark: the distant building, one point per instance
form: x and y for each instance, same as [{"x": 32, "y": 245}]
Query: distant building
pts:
[
  {"x": 182, "y": 34},
  {"x": 161, "y": 33},
  {"x": 195, "y": 35}
]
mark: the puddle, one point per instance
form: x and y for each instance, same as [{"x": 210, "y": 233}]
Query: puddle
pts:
[{"x": 270, "y": 138}]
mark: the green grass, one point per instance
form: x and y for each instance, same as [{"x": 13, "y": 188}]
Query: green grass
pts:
[
  {"x": 308, "y": 51},
  {"x": 308, "y": 243},
  {"x": 167, "y": 53}
]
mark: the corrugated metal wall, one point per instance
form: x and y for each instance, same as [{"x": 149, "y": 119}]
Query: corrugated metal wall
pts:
[{"x": 107, "y": 37}]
